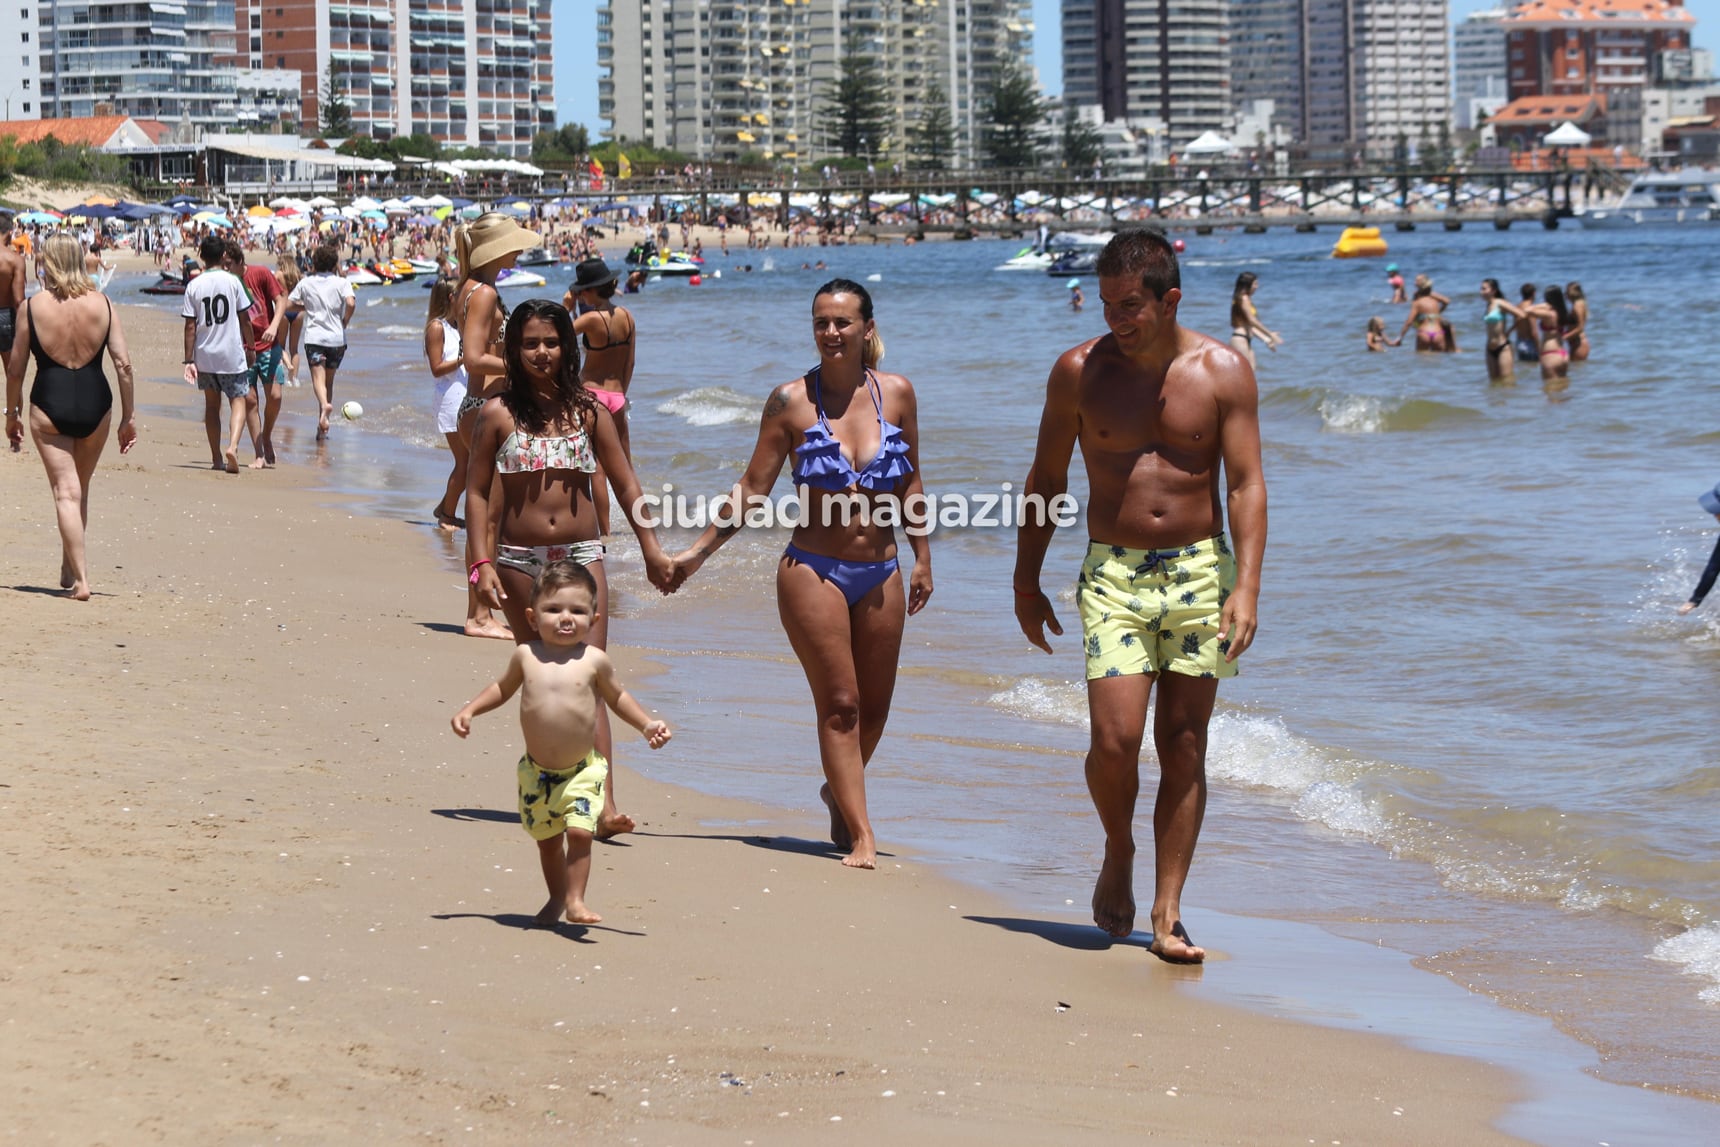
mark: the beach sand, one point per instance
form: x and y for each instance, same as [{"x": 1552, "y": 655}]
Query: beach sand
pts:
[{"x": 257, "y": 891}]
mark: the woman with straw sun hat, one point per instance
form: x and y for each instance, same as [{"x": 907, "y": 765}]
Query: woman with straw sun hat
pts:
[{"x": 484, "y": 247}]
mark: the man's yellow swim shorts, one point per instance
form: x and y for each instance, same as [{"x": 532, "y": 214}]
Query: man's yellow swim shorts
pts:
[
  {"x": 1156, "y": 611},
  {"x": 552, "y": 802}
]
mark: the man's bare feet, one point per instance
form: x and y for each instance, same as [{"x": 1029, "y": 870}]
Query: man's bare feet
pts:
[
  {"x": 268, "y": 453},
  {"x": 218, "y": 464},
  {"x": 489, "y": 627},
  {"x": 613, "y": 824},
  {"x": 839, "y": 834},
  {"x": 1114, "y": 894},
  {"x": 1172, "y": 945},
  {"x": 864, "y": 854},
  {"x": 578, "y": 913},
  {"x": 230, "y": 461}
]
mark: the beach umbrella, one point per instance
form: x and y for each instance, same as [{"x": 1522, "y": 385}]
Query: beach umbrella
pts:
[
  {"x": 471, "y": 211},
  {"x": 438, "y": 201},
  {"x": 97, "y": 211},
  {"x": 212, "y": 220},
  {"x": 516, "y": 210},
  {"x": 259, "y": 212},
  {"x": 320, "y": 201},
  {"x": 423, "y": 220},
  {"x": 37, "y": 218},
  {"x": 456, "y": 201},
  {"x": 396, "y": 207},
  {"x": 366, "y": 203}
]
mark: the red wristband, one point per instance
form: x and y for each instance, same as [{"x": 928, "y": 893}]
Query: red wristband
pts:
[
  {"x": 1027, "y": 592},
  {"x": 472, "y": 574}
]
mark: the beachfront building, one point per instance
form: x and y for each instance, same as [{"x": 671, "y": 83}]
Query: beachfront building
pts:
[
  {"x": 1478, "y": 71},
  {"x": 158, "y": 60},
  {"x": 721, "y": 80},
  {"x": 1348, "y": 78},
  {"x": 469, "y": 73},
  {"x": 19, "y": 93},
  {"x": 1609, "y": 48},
  {"x": 1150, "y": 60}
]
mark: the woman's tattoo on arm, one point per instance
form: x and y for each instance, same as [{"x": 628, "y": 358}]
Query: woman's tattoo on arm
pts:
[{"x": 777, "y": 403}]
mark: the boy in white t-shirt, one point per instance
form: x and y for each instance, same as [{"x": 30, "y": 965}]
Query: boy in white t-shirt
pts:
[
  {"x": 326, "y": 300},
  {"x": 217, "y": 350}
]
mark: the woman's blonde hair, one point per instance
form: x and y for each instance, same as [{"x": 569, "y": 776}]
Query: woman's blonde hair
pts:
[
  {"x": 463, "y": 252},
  {"x": 288, "y": 269},
  {"x": 441, "y": 298},
  {"x": 63, "y": 268},
  {"x": 873, "y": 353}
]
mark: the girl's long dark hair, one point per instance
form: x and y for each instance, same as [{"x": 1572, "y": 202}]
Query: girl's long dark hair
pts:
[
  {"x": 1555, "y": 298},
  {"x": 521, "y": 397}
]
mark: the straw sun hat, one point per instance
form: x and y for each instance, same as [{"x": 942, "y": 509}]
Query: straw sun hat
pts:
[{"x": 495, "y": 236}]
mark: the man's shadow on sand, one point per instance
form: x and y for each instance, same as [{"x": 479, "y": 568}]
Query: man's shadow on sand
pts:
[
  {"x": 1081, "y": 937},
  {"x": 791, "y": 844},
  {"x": 524, "y": 923},
  {"x": 54, "y": 591}
]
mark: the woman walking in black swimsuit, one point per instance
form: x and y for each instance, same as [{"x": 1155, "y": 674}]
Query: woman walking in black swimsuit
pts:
[{"x": 69, "y": 322}]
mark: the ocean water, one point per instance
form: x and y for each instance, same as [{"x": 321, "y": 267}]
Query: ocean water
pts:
[{"x": 1472, "y": 729}]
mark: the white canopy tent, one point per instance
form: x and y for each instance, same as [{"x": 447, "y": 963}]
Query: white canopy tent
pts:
[
  {"x": 1566, "y": 134},
  {"x": 1208, "y": 143}
]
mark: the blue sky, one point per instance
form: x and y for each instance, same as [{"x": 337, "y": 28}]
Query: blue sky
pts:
[{"x": 576, "y": 49}]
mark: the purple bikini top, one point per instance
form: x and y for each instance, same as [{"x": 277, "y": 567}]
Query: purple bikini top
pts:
[{"x": 819, "y": 462}]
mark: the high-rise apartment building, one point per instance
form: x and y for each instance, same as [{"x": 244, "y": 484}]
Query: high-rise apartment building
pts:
[
  {"x": 1478, "y": 72},
  {"x": 1141, "y": 60},
  {"x": 18, "y": 82},
  {"x": 720, "y": 79},
  {"x": 1347, "y": 77},
  {"x": 157, "y": 60},
  {"x": 471, "y": 73},
  {"x": 1608, "y": 48}
]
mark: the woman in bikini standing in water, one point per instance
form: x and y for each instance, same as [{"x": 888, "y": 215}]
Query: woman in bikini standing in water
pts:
[
  {"x": 1425, "y": 316},
  {"x": 606, "y": 367},
  {"x": 484, "y": 247},
  {"x": 1554, "y": 321},
  {"x": 535, "y": 457},
  {"x": 70, "y": 407},
  {"x": 853, "y": 432},
  {"x": 1500, "y": 317},
  {"x": 1245, "y": 320}
]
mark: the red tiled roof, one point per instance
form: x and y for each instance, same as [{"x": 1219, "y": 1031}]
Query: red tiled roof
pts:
[
  {"x": 1611, "y": 13},
  {"x": 1550, "y": 109},
  {"x": 94, "y": 131}
]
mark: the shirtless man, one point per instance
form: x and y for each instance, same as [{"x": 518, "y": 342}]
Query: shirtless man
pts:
[
  {"x": 1164, "y": 597},
  {"x": 11, "y": 295},
  {"x": 1525, "y": 338}
]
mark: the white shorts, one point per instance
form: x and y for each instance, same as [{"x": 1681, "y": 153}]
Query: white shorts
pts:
[{"x": 450, "y": 393}]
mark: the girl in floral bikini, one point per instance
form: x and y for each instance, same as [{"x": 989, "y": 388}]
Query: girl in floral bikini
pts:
[{"x": 545, "y": 438}]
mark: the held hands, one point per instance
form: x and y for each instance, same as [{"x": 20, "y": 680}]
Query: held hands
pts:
[
  {"x": 1237, "y": 623},
  {"x": 661, "y": 570},
  {"x": 656, "y": 732},
  {"x": 1033, "y": 614},
  {"x": 687, "y": 563}
]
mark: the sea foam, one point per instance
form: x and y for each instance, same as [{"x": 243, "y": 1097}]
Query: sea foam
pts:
[
  {"x": 713, "y": 406},
  {"x": 1699, "y": 951}
]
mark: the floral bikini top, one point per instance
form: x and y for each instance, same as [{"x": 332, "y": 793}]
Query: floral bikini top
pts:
[
  {"x": 524, "y": 453},
  {"x": 819, "y": 460}
]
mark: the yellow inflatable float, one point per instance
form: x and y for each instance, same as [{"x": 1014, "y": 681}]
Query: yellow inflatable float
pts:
[{"x": 1359, "y": 243}]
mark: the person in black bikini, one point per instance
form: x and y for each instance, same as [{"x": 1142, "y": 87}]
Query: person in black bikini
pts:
[
  {"x": 838, "y": 588},
  {"x": 71, "y": 406},
  {"x": 606, "y": 369}
]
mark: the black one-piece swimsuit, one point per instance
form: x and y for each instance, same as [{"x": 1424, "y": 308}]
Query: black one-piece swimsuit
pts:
[{"x": 75, "y": 399}]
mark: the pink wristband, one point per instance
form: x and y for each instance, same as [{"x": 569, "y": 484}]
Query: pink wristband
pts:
[{"x": 472, "y": 574}]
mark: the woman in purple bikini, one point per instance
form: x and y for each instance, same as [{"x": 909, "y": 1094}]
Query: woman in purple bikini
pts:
[{"x": 853, "y": 433}]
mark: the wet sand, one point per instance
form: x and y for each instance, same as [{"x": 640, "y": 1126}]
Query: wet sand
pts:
[{"x": 258, "y": 890}]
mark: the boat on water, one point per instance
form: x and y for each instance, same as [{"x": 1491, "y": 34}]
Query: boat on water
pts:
[
  {"x": 359, "y": 277},
  {"x": 536, "y": 257},
  {"x": 1079, "y": 261},
  {"x": 665, "y": 262},
  {"x": 514, "y": 277},
  {"x": 1658, "y": 198},
  {"x": 421, "y": 266},
  {"x": 165, "y": 285},
  {"x": 1040, "y": 256}
]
